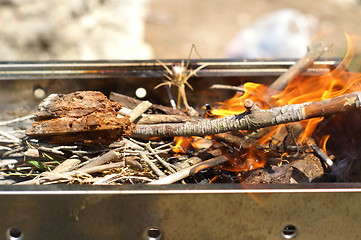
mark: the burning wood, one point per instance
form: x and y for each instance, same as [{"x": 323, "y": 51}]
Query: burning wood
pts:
[
  {"x": 263, "y": 135},
  {"x": 255, "y": 118}
]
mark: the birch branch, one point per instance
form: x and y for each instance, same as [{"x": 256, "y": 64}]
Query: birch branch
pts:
[{"x": 254, "y": 118}]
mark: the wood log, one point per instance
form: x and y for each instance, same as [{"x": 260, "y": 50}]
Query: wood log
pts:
[{"x": 254, "y": 118}]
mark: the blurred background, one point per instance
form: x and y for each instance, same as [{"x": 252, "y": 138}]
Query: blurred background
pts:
[{"x": 147, "y": 29}]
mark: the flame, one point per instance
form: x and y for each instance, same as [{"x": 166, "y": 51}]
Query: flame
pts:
[
  {"x": 184, "y": 143},
  {"x": 250, "y": 160},
  {"x": 323, "y": 141},
  {"x": 302, "y": 89}
]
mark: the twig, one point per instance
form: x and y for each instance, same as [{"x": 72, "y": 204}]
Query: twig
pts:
[
  {"x": 101, "y": 168},
  {"x": 175, "y": 177},
  {"x": 51, "y": 177},
  {"x": 160, "y": 118},
  {"x": 8, "y": 162},
  {"x": 199, "y": 157},
  {"x": 9, "y": 136},
  {"x": 109, "y": 156},
  {"x": 16, "y": 120},
  {"x": 68, "y": 165},
  {"x": 50, "y": 150},
  {"x": 163, "y": 162},
  {"x": 254, "y": 118},
  {"x": 321, "y": 154},
  {"x": 152, "y": 165},
  {"x": 314, "y": 52},
  {"x": 139, "y": 110},
  {"x": 227, "y": 87},
  {"x": 118, "y": 176}
]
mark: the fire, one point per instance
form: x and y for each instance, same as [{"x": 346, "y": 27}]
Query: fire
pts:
[
  {"x": 251, "y": 160},
  {"x": 184, "y": 143},
  {"x": 302, "y": 89},
  {"x": 323, "y": 141}
]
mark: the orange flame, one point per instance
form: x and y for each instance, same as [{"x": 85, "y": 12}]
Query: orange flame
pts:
[
  {"x": 323, "y": 141},
  {"x": 302, "y": 89},
  {"x": 251, "y": 160},
  {"x": 184, "y": 143}
]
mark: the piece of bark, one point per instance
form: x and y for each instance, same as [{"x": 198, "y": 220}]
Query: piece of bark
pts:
[
  {"x": 307, "y": 169},
  {"x": 267, "y": 176},
  {"x": 254, "y": 118},
  {"x": 85, "y": 116},
  {"x": 131, "y": 103}
]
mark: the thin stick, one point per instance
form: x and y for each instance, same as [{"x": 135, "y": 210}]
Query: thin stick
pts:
[
  {"x": 139, "y": 110},
  {"x": 16, "y": 120},
  {"x": 227, "y": 87},
  {"x": 163, "y": 162},
  {"x": 68, "y": 165},
  {"x": 175, "y": 177},
  {"x": 254, "y": 118},
  {"x": 152, "y": 165},
  {"x": 314, "y": 52},
  {"x": 51, "y": 177},
  {"x": 107, "y": 157},
  {"x": 9, "y": 136},
  {"x": 321, "y": 154},
  {"x": 101, "y": 168}
]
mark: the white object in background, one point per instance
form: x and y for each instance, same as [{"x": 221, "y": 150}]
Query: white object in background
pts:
[{"x": 282, "y": 34}]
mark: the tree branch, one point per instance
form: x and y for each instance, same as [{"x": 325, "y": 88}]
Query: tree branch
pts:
[
  {"x": 254, "y": 118},
  {"x": 314, "y": 52}
]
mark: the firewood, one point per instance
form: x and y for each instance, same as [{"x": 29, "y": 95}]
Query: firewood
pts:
[
  {"x": 314, "y": 52},
  {"x": 254, "y": 118},
  {"x": 107, "y": 157},
  {"x": 175, "y": 177},
  {"x": 139, "y": 110},
  {"x": 228, "y": 87},
  {"x": 162, "y": 118}
]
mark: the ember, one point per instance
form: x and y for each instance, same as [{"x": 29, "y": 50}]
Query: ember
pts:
[{"x": 292, "y": 131}]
